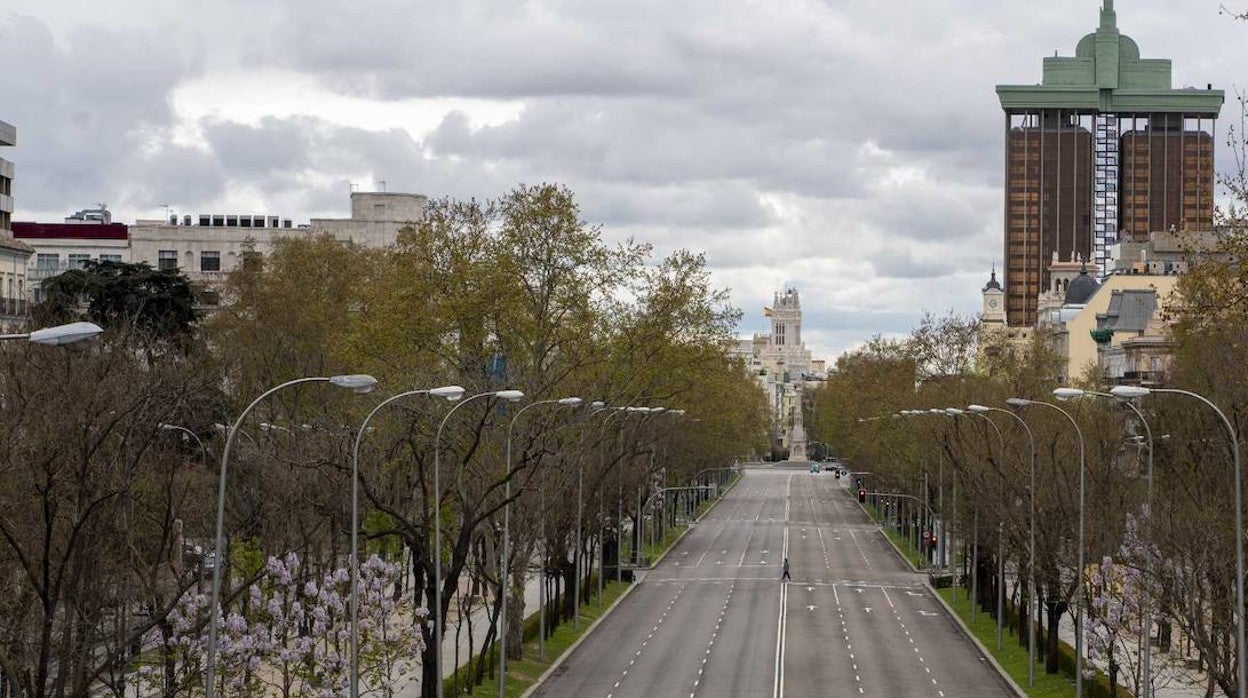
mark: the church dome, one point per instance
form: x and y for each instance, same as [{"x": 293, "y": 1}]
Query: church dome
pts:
[
  {"x": 1081, "y": 288},
  {"x": 992, "y": 282}
]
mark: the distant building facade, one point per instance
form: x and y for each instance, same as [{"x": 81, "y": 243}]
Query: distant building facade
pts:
[
  {"x": 782, "y": 365},
  {"x": 205, "y": 247},
  {"x": 13, "y": 252},
  {"x": 1103, "y": 149}
]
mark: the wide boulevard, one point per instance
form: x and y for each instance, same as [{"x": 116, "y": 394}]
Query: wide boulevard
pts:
[{"x": 715, "y": 619}]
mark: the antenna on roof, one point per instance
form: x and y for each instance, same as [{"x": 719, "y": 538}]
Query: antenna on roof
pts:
[{"x": 381, "y": 183}]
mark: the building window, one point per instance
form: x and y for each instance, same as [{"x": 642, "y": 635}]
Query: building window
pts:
[
  {"x": 110, "y": 258},
  {"x": 47, "y": 260},
  {"x": 167, "y": 260},
  {"x": 210, "y": 261},
  {"x": 79, "y": 261}
]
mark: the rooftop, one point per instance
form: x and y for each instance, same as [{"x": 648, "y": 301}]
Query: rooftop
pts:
[{"x": 1107, "y": 75}]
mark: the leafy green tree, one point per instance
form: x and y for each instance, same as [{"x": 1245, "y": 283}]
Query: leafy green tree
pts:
[{"x": 155, "y": 302}]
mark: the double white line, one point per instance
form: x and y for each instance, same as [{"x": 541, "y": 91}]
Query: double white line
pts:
[{"x": 783, "y": 620}]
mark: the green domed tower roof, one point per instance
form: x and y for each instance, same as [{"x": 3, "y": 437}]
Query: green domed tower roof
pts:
[{"x": 1106, "y": 74}]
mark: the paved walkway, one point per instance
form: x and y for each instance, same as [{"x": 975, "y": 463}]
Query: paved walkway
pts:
[{"x": 409, "y": 685}]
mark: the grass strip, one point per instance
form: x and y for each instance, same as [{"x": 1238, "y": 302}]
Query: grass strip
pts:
[{"x": 1012, "y": 657}]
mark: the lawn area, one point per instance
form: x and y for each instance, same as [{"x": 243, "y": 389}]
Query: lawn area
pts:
[
  {"x": 524, "y": 673},
  {"x": 1012, "y": 657}
]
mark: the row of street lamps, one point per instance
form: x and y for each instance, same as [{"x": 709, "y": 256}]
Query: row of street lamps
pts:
[
  {"x": 363, "y": 384},
  {"x": 1125, "y": 395}
]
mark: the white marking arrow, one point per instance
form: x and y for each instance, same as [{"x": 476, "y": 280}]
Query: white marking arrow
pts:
[
  {"x": 867, "y": 609},
  {"x": 927, "y": 613},
  {"x": 810, "y": 588},
  {"x": 913, "y": 593},
  {"x": 811, "y": 608}
]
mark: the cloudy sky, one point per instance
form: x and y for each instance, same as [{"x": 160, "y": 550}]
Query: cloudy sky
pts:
[{"x": 851, "y": 148}]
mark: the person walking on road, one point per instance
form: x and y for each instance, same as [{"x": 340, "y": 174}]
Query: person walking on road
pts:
[{"x": 786, "y": 571}]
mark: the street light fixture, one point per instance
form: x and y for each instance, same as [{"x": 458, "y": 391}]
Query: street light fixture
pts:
[
  {"x": 1127, "y": 392},
  {"x": 1031, "y": 545},
  {"x": 358, "y": 383},
  {"x": 506, "y": 571},
  {"x": 1020, "y": 403},
  {"x": 451, "y": 393},
  {"x": 193, "y": 435},
  {"x": 510, "y": 396},
  {"x": 74, "y": 334}
]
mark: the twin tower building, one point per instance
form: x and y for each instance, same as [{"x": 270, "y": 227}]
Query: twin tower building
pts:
[{"x": 1103, "y": 151}]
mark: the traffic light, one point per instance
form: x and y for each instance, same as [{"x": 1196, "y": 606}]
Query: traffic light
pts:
[
  {"x": 838, "y": 475},
  {"x": 862, "y": 496}
]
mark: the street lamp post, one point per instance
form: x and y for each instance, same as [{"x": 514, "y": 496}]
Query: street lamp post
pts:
[
  {"x": 511, "y": 396},
  {"x": 1022, "y": 402},
  {"x": 193, "y": 435},
  {"x": 355, "y": 382},
  {"x": 505, "y": 574},
  {"x": 451, "y": 393},
  {"x": 1000, "y": 530},
  {"x": 1031, "y": 543},
  {"x": 1126, "y": 392}
]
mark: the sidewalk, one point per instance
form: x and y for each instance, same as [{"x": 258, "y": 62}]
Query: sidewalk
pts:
[
  {"x": 1174, "y": 678},
  {"x": 410, "y": 683}
]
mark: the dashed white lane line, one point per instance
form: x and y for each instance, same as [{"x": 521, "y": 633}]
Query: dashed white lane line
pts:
[
  {"x": 927, "y": 670},
  {"x": 706, "y": 656},
  {"x": 650, "y": 636},
  {"x": 849, "y": 647}
]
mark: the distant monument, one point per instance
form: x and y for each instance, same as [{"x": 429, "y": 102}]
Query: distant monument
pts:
[{"x": 797, "y": 435}]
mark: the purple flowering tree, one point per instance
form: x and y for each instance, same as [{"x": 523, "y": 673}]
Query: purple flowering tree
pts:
[
  {"x": 1122, "y": 594},
  {"x": 293, "y": 638}
]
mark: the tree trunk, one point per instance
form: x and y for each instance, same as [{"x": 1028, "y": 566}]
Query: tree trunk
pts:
[
  {"x": 515, "y": 619},
  {"x": 1054, "y": 609}
]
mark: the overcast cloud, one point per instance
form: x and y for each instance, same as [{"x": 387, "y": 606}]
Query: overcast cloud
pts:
[{"x": 851, "y": 149}]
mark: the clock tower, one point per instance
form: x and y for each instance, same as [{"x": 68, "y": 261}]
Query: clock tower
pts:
[{"x": 994, "y": 303}]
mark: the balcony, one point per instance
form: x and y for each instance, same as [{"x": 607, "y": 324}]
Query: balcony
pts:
[{"x": 14, "y": 308}]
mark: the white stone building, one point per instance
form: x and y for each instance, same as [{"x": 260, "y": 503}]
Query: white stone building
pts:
[
  {"x": 208, "y": 246},
  {"x": 13, "y": 252},
  {"x": 783, "y": 366},
  {"x": 86, "y": 236}
]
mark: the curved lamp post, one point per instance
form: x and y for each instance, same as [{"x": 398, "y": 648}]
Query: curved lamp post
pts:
[
  {"x": 1022, "y": 402},
  {"x": 598, "y": 406},
  {"x": 451, "y": 393},
  {"x": 193, "y": 435},
  {"x": 1031, "y": 544},
  {"x": 510, "y": 396},
  {"x": 1000, "y": 529},
  {"x": 355, "y": 382},
  {"x": 506, "y": 572},
  {"x": 1126, "y": 392},
  {"x": 74, "y": 334}
]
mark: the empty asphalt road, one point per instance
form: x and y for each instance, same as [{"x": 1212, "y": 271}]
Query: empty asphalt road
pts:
[{"x": 715, "y": 619}]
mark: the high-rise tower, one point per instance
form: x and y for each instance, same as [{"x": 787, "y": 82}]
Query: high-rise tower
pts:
[{"x": 1103, "y": 147}]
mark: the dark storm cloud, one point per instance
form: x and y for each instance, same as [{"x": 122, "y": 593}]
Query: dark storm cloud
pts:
[
  {"x": 91, "y": 111},
  {"x": 789, "y": 140}
]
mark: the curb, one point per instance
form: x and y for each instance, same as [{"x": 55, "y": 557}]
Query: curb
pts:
[
  {"x": 572, "y": 648},
  {"x": 1009, "y": 680},
  {"x": 605, "y": 614}
]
